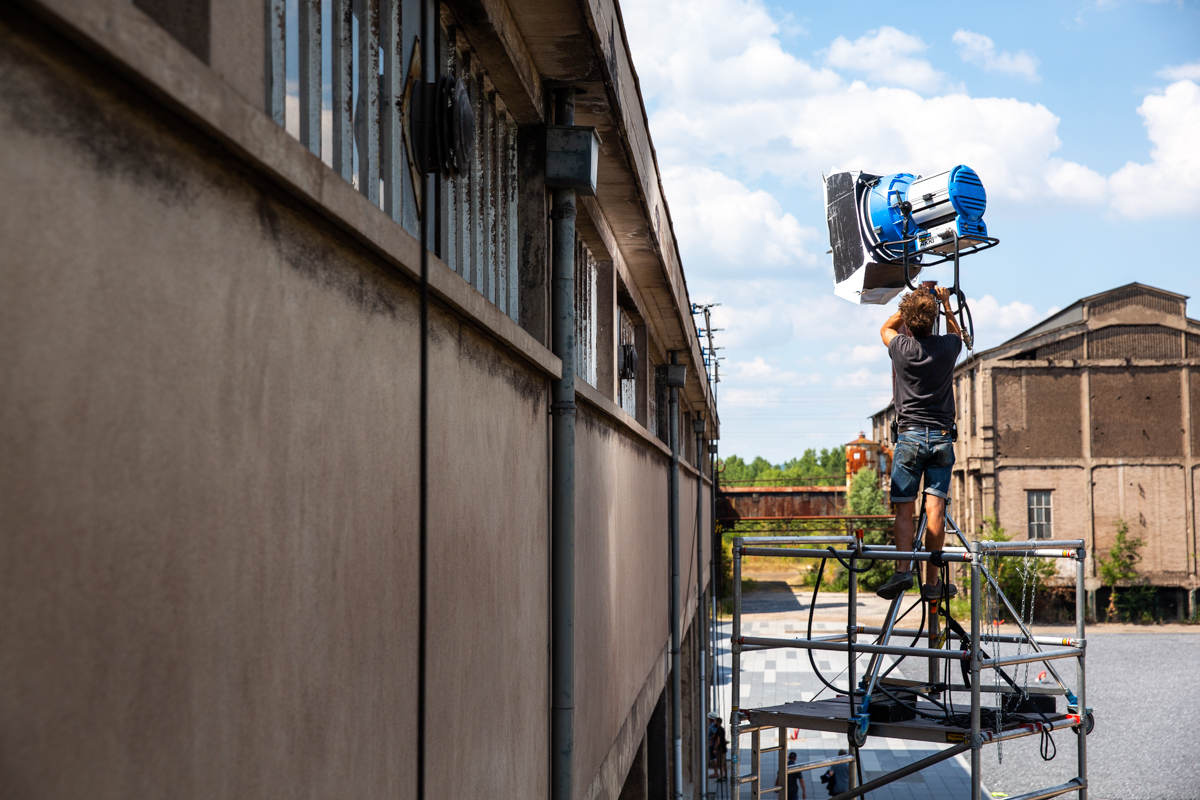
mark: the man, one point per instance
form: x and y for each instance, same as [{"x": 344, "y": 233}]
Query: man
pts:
[
  {"x": 718, "y": 746},
  {"x": 924, "y": 366},
  {"x": 837, "y": 777},
  {"x": 795, "y": 783}
]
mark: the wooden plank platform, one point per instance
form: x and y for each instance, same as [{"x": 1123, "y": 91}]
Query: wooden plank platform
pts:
[{"x": 833, "y": 715}]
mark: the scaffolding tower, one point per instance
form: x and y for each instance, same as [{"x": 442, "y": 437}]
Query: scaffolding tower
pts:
[{"x": 1023, "y": 710}]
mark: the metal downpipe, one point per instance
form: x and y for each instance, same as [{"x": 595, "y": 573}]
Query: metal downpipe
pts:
[
  {"x": 714, "y": 579},
  {"x": 700, "y": 627},
  {"x": 676, "y": 606},
  {"x": 562, "y": 410}
]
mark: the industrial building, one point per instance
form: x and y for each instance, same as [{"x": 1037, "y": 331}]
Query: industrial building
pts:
[
  {"x": 1086, "y": 419},
  {"x": 210, "y": 393}
]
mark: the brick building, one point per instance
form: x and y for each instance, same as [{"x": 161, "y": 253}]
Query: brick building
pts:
[{"x": 1088, "y": 418}]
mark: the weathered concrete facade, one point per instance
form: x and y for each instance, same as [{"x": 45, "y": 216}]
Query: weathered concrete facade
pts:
[
  {"x": 1095, "y": 415},
  {"x": 209, "y": 420}
]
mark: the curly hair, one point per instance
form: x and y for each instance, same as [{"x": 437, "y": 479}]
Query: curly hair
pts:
[{"x": 919, "y": 312}]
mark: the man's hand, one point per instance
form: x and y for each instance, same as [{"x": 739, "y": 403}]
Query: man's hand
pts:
[{"x": 943, "y": 295}]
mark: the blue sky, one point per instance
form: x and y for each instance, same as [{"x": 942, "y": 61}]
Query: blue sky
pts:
[{"x": 1082, "y": 118}]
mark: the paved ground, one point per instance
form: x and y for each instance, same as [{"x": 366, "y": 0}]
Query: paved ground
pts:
[
  {"x": 1145, "y": 746},
  {"x": 772, "y": 677}
]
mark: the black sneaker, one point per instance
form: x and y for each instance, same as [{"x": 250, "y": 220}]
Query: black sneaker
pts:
[
  {"x": 931, "y": 594},
  {"x": 899, "y": 582}
]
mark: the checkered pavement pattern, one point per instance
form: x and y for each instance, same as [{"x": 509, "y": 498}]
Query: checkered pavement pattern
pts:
[{"x": 773, "y": 677}]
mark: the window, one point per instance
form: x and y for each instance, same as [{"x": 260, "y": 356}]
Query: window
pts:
[
  {"x": 336, "y": 77},
  {"x": 1039, "y": 514},
  {"x": 627, "y": 397},
  {"x": 586, "y": 313}
]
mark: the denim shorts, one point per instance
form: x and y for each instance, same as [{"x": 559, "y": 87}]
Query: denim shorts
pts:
[{"x": 925, "y": 452}]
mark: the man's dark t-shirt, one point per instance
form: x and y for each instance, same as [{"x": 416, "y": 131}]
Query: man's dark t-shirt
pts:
[{"x": 924, "y": 373}]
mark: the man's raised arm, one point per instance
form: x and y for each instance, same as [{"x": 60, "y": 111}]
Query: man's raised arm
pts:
[{"x": 891, "y": 328}]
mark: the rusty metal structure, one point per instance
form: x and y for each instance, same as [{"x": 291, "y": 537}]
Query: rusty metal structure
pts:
[
  {"x": 777, "y": 503},
  {"x": 863, "y": 453}
]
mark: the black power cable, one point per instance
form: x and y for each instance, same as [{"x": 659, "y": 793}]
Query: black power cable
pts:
[
  {"x": 988, "y": 717},
  {"x": 812, "y": 606}
]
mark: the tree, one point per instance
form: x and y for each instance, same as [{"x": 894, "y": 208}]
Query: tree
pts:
[
  {"x": 865, "y": 496},
  {"x": 733, "y": 470},
  {"x": 1009, "y": 572},
  {"x": 1120, "y": 566},
  {"x": 824, "y": 468}
]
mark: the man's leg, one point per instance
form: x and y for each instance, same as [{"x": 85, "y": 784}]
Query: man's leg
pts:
[
  {"x": 906, "y": 480},
  {"x": 935, "y": 533},
  {"x": 902, "y": 580}
]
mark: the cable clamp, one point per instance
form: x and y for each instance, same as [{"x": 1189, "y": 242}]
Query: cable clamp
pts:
[{"x": 937, "y": 558}]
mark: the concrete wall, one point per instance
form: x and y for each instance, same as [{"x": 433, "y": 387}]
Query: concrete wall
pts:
[
  {"x": 623, "y": 587},
  {"x": 209, "y": 416},
  {"x": 622, "y": 594},
  {"x": 208, "y": 501}
]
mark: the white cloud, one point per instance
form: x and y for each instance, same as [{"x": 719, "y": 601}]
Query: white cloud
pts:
[
  {"x": 887, "y": 56},
  {"x": 1182, "y": 72},
  {"x": 759, "y": 370},
  {"x": 794, "y": 121},
  {"x": 1003, "y": 321},
  {"x": 704, "y": 49},
  {"x": 798, "y": 121},
  {"x": 978, "y": 49},
  {"x": 858, "y": 353},
  {"x": 755, "y": 369},
  {"x": 720, "y": 219},
  {"x": 866, "y": 354},
  {"x": 864, "y": 379},
  {"x": 1071, "y": 181},
  {"x": 1170, "y": 183}
]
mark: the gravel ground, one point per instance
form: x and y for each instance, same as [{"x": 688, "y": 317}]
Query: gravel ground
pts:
[{"x": 1145, "y": 692}]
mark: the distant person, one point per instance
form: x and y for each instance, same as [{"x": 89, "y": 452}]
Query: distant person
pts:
[
  {"x": 924, "y": 395},
  {"x": 795, "y": 783},
  {"x": 718, "y": 746},
  {"x": 713, "y": 724},
  {"x": 837, "y": 777}
]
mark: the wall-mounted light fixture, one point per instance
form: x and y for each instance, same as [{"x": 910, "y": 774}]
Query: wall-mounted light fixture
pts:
[{"x": 572, "y": 158}]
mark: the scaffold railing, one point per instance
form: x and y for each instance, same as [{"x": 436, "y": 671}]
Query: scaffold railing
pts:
[{"x": 879, "y": 705}]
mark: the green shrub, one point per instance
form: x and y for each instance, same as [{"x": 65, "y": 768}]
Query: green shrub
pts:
[
  {"x": 1008, "y": 571},
  {"x": 1136, "y": 603}
]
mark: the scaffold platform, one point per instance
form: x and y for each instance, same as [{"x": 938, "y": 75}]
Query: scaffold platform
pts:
[
  {"x": 834, "y": 715},
  {"x": 878, "y": 705}
]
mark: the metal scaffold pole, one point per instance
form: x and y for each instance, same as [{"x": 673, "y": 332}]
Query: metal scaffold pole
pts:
[
  {"x": 1080, "y": 608},
  {"x": 735, "y": 656},
  {"x": 976, "y": 608}
]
